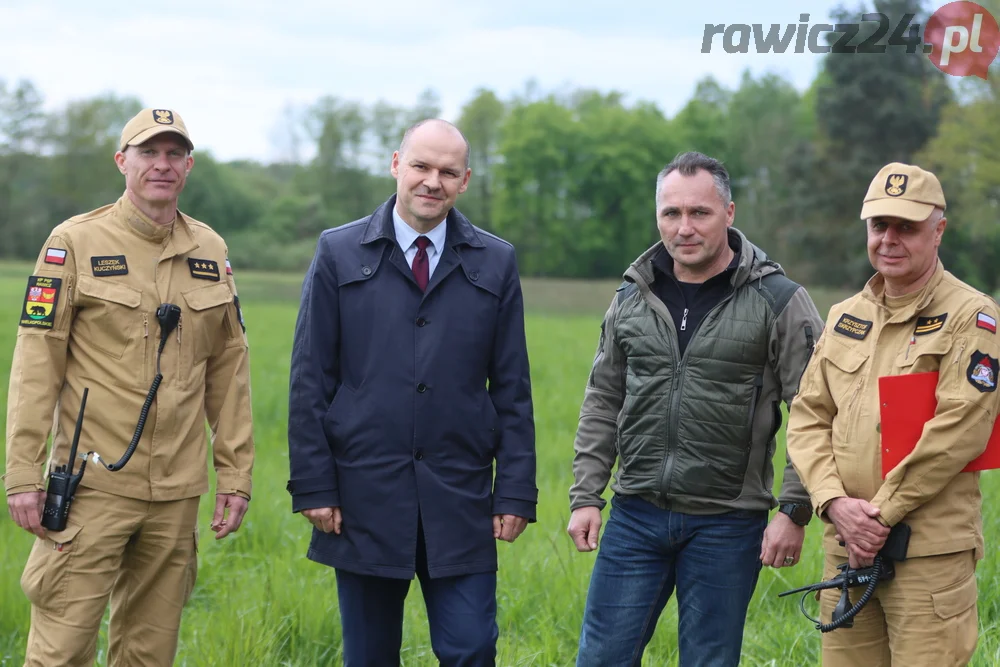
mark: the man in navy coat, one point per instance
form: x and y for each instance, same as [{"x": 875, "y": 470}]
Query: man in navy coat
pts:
[{"x": 409, "y": 380}]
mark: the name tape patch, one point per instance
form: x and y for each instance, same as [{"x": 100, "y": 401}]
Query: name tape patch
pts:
[
  {"x": 40, "y": 302},
  {"x": 984, "y": 321},
  {"x": 926, "y": 325},
  {"x": 55, "y": 256},
  {"x": 109, "y": 265},
  {"x": 204, "y": 269},
  {"x": 852, "y": 327},
  {"x": 982, "y": 371}
]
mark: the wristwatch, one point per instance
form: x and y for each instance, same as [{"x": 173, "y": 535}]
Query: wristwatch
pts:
[{"x": 799, "y": 514}]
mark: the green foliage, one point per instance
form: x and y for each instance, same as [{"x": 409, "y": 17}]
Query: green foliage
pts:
[{"x": 568, "y": 178}]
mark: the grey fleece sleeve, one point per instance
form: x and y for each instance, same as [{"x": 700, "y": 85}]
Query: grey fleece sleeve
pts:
[
  {"x": 594, "y": 446},
  {"x": 793, "y": 337}
]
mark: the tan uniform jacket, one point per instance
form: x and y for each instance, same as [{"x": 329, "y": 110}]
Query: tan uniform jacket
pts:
[
  {"x": 89, "y": 321},
  {"x": 833, "y": 428}
]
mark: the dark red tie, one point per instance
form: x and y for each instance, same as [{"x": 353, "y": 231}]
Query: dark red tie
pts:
[{"x": 421, "y": 265}]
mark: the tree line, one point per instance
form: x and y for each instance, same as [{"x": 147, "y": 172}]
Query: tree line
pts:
[{"x": 568, "y": 177}]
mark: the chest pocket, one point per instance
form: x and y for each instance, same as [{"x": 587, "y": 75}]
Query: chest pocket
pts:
[
  {"x": 844, "y": 370},
  {"x": 924, "y": 356},
  {"x": 202, "y": 325},
  {"x": 108, "y": 316}
]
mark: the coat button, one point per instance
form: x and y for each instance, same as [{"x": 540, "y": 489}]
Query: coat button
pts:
[
  {"x": 366, "y": 270},
  {"x": 421, "y": 388},
  {"x": 474, "y": 275},
  {"x": 418, "y": 455},
  {"x": 421, "y": 321}
]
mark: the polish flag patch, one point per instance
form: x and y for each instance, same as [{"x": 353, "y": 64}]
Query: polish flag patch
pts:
[
  {"x": 229, "y": 269},
  {"x": 55, "y": 256},
  {"x": 984, "y": 321}
]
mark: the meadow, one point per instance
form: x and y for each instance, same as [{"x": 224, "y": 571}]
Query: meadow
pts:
[{"x": 260, "y": 602}]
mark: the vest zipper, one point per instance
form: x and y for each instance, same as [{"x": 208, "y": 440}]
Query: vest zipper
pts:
[
  {"x": 675, "y": 394},
  {"x": 684, "y": 320}
]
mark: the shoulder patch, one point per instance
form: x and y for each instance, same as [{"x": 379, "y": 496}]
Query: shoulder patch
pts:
[
  {"x": 984, "y": 321},
  {"x": 55, "y": 256},
  {"x": 40, "y": 300},
  {"x": 109, "y": 265},
  {"x": 229, "y": 268},
  {"x": 852, "y": 327},
  {"x": 982, "y": 371},
  {"x": 204, "y": 269},
  {"x": 926, "y": 325}
]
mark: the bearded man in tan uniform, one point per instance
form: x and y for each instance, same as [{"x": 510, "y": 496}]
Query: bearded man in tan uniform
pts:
[
  {"x": 89, "y": 322},
  {"x": 911, "y": 317}
]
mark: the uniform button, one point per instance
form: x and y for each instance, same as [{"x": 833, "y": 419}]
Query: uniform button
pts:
[
  {"x": 474, "y": 275},
  {"x": 366, "y": 270},
  {"x": 421, "y": 388},
  {"x": 418, "y": 455},
  {"x": 421, "y": 321}
]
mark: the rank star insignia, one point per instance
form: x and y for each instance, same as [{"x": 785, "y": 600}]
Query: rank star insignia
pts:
[
  {"x": 926, "y": 325},
  {"x": 982, "y": 372},
  {"x": 203, "y": 269}
]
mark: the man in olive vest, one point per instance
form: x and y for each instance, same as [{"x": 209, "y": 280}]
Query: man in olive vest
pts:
[{"x": 703, "y": 340}]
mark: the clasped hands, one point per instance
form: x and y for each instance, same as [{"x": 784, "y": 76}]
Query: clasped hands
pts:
[{"x": 858, "y": 527}]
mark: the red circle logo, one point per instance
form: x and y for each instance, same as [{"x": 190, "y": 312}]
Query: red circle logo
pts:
[{"x": 964, "y": 38}]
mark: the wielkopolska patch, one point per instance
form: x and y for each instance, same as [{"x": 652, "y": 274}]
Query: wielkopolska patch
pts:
[{"x": 40, "y": 302}]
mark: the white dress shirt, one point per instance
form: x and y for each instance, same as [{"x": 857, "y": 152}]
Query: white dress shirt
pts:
[{"x": 406, "y": 237}]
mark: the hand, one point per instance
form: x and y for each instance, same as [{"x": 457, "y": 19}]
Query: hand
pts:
[
  {"x": 237, "y": 506},
  {"x": 26, "y": 510},
  {"x": 584, "y": 527},
  {"x": 858, "y": 527},
  {"x": 327, "y": 519},
  {"x": 782, "y": 540},
  {"x": 508, "y": 527}
]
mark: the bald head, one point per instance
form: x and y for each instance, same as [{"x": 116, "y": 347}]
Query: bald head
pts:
[{"x": 436, "y": 131}]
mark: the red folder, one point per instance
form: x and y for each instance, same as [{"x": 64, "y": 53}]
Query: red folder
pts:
[{"x": 906, "y": 403}]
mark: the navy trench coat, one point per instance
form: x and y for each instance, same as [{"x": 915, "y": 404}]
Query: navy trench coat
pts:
[{"x": 401, "y": 401}]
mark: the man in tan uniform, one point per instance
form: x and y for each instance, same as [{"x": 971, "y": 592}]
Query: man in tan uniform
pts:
[
  {"x": 911, "y": 317},
  {"x": 89, "y": 322}
]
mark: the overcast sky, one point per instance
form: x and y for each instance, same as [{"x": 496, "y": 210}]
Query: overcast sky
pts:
[{"x": 230, "y": 67}]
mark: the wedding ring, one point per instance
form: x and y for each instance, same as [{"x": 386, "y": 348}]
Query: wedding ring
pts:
[{"x": 789, "y": 560}]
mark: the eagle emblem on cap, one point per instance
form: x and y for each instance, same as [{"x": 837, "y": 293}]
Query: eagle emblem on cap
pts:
[
  {"x": 163, "y": 116},
  {"x": 895, "y": 185}
]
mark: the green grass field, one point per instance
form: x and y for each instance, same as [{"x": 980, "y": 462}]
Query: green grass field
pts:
[{"x": 259, "y": 602}]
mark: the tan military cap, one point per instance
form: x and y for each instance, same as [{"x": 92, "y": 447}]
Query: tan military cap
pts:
[
  {"x": 150, "y": 122},
  {"x": 903, "y": 191}
]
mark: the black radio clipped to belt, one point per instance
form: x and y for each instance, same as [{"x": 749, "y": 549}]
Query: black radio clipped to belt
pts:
[{"x": 62, "y": 481}]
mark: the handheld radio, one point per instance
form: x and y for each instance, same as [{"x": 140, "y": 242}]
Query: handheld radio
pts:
[{"x": 62, "y": 481}]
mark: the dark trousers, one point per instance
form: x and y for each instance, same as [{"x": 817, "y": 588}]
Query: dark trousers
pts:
[{"x": 461, "y": 612}]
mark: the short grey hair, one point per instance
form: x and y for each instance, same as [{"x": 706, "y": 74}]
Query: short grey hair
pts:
[
  {"x": 688, "y": 164},
  {"x": 411, "y": 129}
]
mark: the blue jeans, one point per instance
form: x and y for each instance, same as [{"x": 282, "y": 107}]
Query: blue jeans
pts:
[{"x": 713, "y": 560}]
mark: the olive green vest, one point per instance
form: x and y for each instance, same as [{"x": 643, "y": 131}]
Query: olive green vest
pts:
[{"x": 685, "y": 426}]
